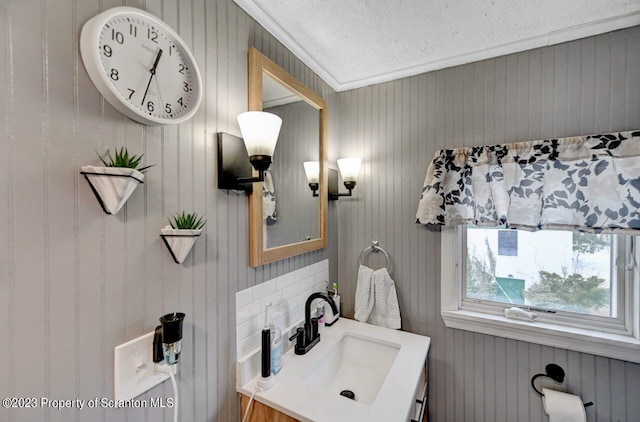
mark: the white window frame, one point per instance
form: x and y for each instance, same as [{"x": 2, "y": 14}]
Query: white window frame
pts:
[{"x": 619, "y": 340}]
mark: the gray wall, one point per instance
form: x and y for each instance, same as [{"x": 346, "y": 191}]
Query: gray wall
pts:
[
  {"x": 582, "y": 87},
  {"x": 75, "y": 282}
]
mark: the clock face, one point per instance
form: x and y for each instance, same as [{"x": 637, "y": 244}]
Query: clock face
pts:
[{"x": 149, "y": 73}]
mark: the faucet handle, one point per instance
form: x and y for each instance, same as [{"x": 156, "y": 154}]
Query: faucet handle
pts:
[
  {"x": 299, "y": 336},
  {"x": 299, "y": 332}
]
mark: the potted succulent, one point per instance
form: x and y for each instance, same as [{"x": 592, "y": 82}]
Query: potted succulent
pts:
[
  {"x": 114, "y": 182},
  {"x": 181, "y": 234}
]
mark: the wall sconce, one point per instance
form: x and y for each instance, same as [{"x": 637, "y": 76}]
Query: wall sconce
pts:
[
  {"x": 312, "y": 170},
  {"x": 349, "y": 169},
  {"x": 260, "y": 132}
]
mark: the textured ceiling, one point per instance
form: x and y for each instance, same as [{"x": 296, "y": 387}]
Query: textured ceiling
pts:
[{"x": 354, "y": 43}]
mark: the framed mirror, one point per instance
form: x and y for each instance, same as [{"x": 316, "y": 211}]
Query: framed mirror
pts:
[{"x": 285, "y": 219}]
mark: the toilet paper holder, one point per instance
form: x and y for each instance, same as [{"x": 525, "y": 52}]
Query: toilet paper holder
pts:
[{"x": 556, "y": 373}]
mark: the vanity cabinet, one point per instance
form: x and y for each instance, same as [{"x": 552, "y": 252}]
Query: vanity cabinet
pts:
[
  {"x": 260, "y": 412},
  {"x": 420, "y": 406}
]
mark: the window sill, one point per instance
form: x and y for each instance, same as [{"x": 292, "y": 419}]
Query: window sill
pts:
[{"x": 587, "y": 341}]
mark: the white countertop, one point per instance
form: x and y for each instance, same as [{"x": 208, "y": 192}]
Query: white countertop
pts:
[{"x": 302, "y": 400}]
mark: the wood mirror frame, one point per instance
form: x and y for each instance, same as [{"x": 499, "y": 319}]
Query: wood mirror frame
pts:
[{"x": 258, "y": 255}]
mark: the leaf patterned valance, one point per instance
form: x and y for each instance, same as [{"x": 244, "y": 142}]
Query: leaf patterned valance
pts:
[{"x": 589, "y": 183}]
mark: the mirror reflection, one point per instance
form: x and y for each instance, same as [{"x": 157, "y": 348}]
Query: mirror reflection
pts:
[{"x": 290, "y": 212}]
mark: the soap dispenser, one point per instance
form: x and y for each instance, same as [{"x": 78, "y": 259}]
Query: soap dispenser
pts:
[{"x": 276, "y": 342}]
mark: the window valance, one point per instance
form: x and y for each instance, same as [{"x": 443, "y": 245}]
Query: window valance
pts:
[{"x": 589, "y": 183}]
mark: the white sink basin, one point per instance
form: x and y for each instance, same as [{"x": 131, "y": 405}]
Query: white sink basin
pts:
[
  {"x": 382, "y": 367},
  {"x": 356, "y": 363}
]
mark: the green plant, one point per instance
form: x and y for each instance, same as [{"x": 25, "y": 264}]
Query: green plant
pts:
[
  {"x": 123, "y": 159},
  {"x": 571, "y": 292},
  {"x": 185, "y": 221}
]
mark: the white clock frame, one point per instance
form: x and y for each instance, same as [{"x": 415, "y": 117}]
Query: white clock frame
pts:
[{"x": 91, "y": 57}]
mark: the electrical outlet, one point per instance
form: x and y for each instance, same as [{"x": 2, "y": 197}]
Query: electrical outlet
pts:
[{"x": 134, "y": 369}]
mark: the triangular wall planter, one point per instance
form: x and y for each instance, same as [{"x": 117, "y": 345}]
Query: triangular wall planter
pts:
[
  {"x": 112, "y": 185},
  {"x": 179, "y": 242}
]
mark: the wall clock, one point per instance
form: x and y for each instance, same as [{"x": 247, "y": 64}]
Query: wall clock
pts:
[{"x": 141, "y": 66}]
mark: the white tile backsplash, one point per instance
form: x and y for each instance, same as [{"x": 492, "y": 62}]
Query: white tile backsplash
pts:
[
  {"x": 246, "y": 329},
  {"x": 285, "y": 280},
  {"x": 290, "y": 291},
  {"x": 243, "y": 298},
  {"x": 289, "y": 305},
  {"x": 264, "y": 289},
  {"x": 287, "y": 294},
  {"x": 321, "y": 277},
  {"x": 247, "y": 312},
  {"x": 307, "y": 283}
]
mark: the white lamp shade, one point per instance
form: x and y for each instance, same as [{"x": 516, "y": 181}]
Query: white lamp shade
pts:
[
  {"x": 312, "y": 170},
  {"x": 260, "y": 132},
  {"x": 349, "y": 168}
]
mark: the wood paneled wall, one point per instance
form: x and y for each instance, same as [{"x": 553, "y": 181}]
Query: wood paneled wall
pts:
[
  {"x": 75, "y": 282},
  {"x": 577, "y": 88}
]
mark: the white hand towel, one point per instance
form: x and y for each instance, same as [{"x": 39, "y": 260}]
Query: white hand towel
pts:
[
  {"x": 386, "y": 311},
  {"x": 269, "y": 212},
  {"x": 364, "y": 294}
]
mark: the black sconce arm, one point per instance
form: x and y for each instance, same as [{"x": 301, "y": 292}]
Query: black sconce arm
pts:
[{"x": 246, "y": 180}]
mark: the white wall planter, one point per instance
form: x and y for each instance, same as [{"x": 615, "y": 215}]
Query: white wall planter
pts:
[
  {"x": 179, "y": 242},
  {"x": 112, "y": 185}
]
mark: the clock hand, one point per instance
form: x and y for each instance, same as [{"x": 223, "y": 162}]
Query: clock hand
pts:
[
  {"x": 153, "y": 72},
  {"x": 159, "y": 95}
]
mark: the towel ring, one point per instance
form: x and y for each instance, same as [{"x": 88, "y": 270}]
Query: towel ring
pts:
[{"x": 375, "y": 248}]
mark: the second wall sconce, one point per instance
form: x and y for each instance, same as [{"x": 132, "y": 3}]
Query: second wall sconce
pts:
[
  {"x": 349, "y": 169},
  {"x": 260, "y": 132},
  {"x": 312, "y": 171}
]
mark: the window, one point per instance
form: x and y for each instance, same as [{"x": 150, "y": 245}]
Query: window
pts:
[
  {"x": 582, "y": 287},
  {"x": 555, "y": 271}
]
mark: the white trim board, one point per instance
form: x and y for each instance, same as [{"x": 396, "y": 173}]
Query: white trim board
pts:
[{"x": 556, "y": 37}]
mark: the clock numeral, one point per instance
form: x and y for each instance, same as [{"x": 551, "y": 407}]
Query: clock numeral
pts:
[
  {"x": 167, "y": 108},
  {"x": 182, "y": 68},
  {"x": 107, "y": 50},
  {"x": 180, "y": 102},
  {"x": 117, "y": 36},
  {"x": 171, "y": 47},
  {"x": 152, "y": 35},
  {"x": 186, "y": 87},
  {"x": 131, "y": 92},
  {"x": 114, "y": 74},
  {"x": 150, "y": 106},
  {"x": 133, "y": 30}
]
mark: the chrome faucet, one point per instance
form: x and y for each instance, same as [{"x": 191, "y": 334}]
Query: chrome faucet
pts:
[{"x": 309, "y": 336}]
